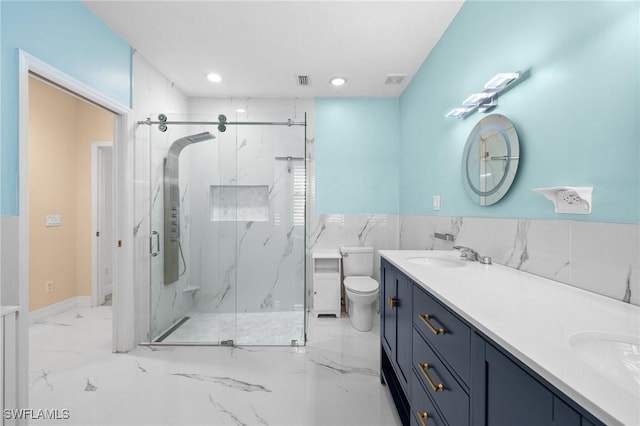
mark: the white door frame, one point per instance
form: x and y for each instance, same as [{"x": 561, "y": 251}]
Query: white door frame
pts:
[
  {"x": 123, "y": 290},
  {"x": 97, "y": 289}
]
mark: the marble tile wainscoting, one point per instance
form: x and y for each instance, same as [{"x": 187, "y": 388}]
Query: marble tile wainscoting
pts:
[{"x": 603, "y": 258}]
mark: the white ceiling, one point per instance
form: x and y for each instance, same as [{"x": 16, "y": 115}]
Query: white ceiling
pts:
[{"x": 260, "y": 47}]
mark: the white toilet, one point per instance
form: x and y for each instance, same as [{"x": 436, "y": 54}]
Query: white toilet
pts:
[{"x": 362, "y": 290}]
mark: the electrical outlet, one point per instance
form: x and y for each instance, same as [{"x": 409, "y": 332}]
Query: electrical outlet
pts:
[
  {"x": 48, "y": 286},
  {"x": 569, "y": 197}
]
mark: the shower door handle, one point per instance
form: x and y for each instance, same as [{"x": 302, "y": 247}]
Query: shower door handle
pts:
[{"x": 157, "y": 250}]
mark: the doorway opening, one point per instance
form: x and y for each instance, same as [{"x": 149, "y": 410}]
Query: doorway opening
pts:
[
  {"x": 58, "y": 218},
  {"x": 70, "y": 195}
]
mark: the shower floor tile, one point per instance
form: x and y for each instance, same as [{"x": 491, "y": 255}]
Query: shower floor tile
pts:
[{"x": 258, "y": 328}]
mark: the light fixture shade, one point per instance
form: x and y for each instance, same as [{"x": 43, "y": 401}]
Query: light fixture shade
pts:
[
  {"x": 479, "y": 98},
  {"x": 488, "y": 98},
  {"x": 501, "y": 80},
  {"x": 460, "y": 112}
]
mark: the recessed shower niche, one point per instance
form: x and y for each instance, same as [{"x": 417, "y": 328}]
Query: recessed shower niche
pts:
[{"x": 239, "y": 203}]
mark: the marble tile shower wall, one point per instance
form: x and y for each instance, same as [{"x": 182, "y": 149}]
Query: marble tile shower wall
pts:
[
  {"x": 169, "y": 302},
  {"x": 152, "y": 92},
  {"x": 603, "y": 258}
]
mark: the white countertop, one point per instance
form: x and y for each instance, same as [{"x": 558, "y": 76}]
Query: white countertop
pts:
[{"x": 535, "y": 319}]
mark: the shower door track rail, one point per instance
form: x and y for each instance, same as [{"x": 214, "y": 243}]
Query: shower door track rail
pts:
[{"x": 289, "y": 123}]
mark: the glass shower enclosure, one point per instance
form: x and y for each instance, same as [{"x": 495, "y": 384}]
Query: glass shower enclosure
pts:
[{"x": 227, "y": 230}]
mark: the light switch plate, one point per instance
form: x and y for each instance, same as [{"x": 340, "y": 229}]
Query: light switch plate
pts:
[
  {"x": 54, "y": 220},
  {"x": 436, "y": 202}
]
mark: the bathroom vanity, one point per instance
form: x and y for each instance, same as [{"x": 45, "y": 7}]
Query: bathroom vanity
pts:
[{"x": 463, "y": 343}]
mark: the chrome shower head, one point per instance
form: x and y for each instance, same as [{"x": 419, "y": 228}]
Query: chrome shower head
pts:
[
  {"x": 200, "y": 137},
  {"x": 180, "y": 144}
]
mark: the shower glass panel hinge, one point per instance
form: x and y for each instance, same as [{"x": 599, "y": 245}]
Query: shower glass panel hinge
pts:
[{"x": 226, "y": 342}]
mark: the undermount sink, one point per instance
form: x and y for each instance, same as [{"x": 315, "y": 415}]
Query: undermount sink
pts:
[
  {"x": 616, "y": 356},
  {"x": 439, "y": 259}
]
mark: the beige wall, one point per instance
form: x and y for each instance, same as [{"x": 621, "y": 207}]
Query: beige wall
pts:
[{"x": 61, "y": 130}]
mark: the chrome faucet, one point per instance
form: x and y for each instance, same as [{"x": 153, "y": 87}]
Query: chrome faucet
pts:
[
  {"x": 466, "y": 252},
  {"x": 471, "y": 254}
]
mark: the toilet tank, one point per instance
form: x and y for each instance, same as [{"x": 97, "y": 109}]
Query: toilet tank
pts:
[{"x": 357, "y": 261}]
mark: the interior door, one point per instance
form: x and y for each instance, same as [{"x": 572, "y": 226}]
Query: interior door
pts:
[{"x": 105, "y": 222}]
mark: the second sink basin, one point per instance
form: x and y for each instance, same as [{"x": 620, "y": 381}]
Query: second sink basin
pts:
[
  {"x": 438, "y": 259},
  {"x": 616, "y": 356}
]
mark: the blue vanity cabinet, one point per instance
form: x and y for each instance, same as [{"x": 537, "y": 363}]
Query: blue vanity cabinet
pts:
[
  {"x": 423, "y": 411},
  {"x": 403, "y": 337},
  {"x": 442, "y": 370},
  {"x": 441, "y": 358},
  {"x": 388, "y": 296},
  {"x": 506, "y": 394},
  {"x": 395, "y": 331},
  {"x": 449, "y": 336},
  {"x": 396, "y": 321}
]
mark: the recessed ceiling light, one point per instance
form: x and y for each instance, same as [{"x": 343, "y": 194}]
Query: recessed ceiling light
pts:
[
  {"x": 214, "y": 78},
  {"x": 240, "y": 110},
  {"x": 338, "y": 81}
]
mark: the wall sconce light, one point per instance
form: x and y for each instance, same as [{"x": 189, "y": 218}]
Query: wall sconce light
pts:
[{"x": 488, "y": 98}]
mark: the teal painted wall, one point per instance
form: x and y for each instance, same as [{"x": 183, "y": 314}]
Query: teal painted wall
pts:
[
  {"x": 357, "y": 147},
  {"x": 577, "y": 115},
  {"x": 67, "y": 36}
]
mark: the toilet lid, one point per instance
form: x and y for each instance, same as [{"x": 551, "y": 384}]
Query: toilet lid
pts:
[{"x": 361, "y": 284}]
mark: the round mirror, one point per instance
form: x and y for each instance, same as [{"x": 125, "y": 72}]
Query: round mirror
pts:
[{"x": 490, "y": 159}]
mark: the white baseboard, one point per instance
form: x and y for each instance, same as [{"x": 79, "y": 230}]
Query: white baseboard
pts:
[{"x": 59, "y": 307}]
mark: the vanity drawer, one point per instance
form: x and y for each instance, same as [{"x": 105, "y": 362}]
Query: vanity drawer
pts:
[
  {"x": 450, "y": 397},
  {"x": 449, "y": 336},
  {"x": 422, "y": 407}
]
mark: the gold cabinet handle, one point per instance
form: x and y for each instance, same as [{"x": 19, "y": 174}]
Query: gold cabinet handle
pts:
[
  {"x": 436, "y": 388},
  {"x": 392, "y": 302},
  {"x": 422, "y": 416},
  {"x": 425, "y": 319}
]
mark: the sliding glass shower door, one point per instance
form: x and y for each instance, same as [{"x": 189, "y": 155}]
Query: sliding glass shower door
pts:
[
  {"x": 227, "y": 245},
  {"x": 270, "y": 230}
]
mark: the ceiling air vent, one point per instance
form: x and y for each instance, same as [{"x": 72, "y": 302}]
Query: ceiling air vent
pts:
[
  {"x": 303, "y": 80},
  {"x": 394, "y": 79}
]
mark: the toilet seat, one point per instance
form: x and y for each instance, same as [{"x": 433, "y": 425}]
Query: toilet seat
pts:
[{"x": 361, "y": 285}]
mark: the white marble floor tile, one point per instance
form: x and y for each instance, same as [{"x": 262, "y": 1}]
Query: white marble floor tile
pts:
[{"x": 333, "y": 380}]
